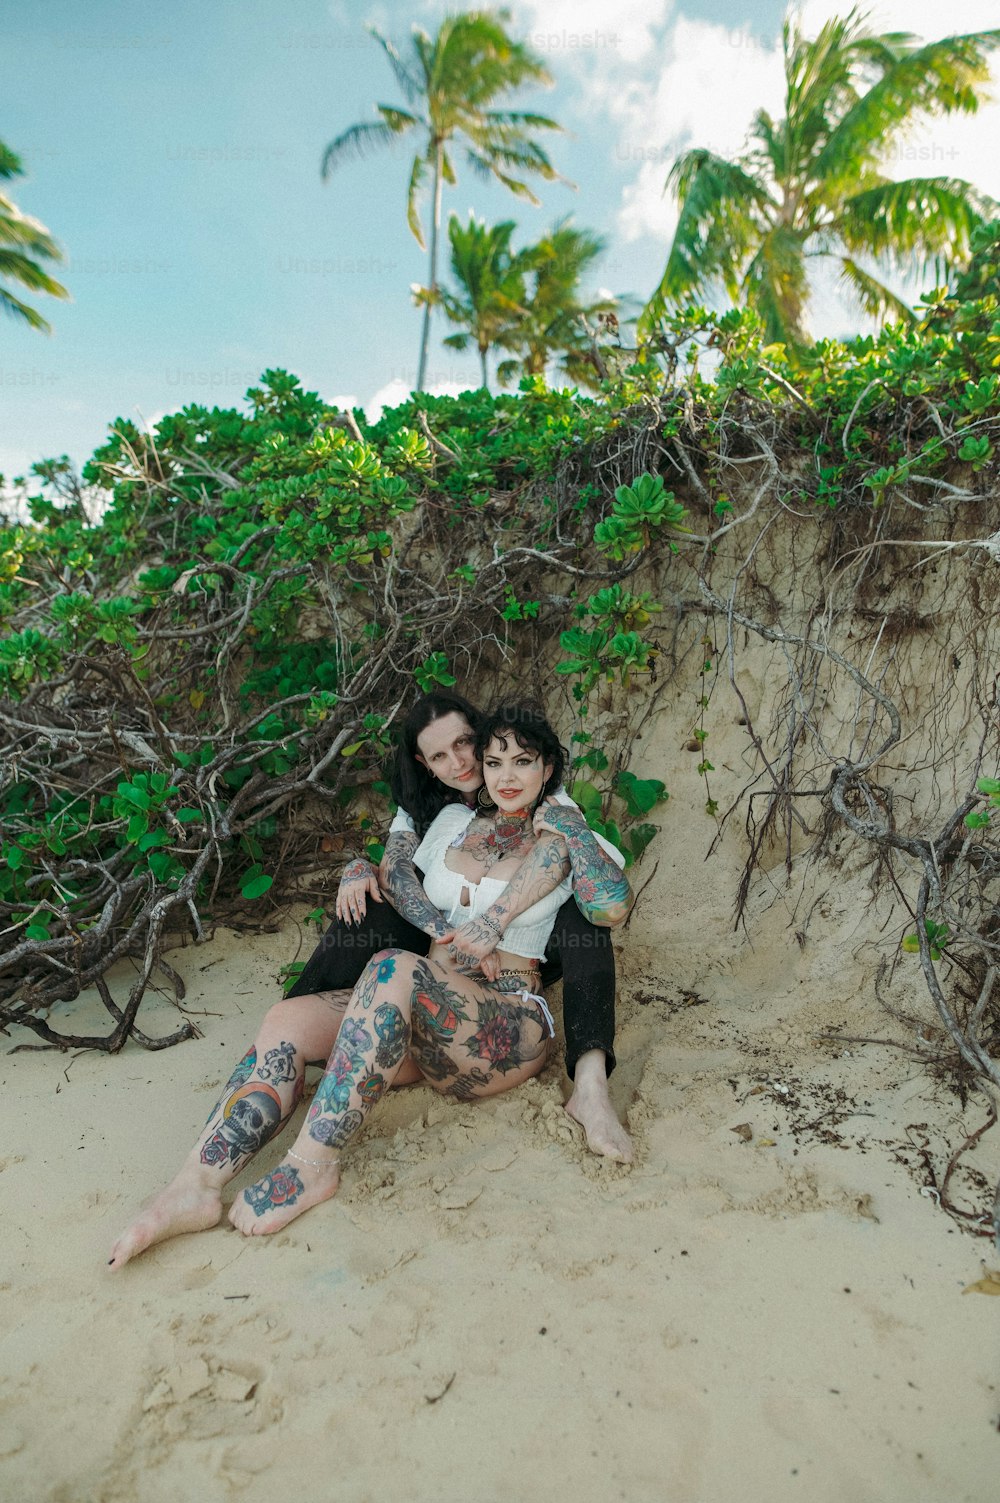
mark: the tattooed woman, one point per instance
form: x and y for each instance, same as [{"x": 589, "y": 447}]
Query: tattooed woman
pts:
[
  {"x": 470, "y": 1036},
  {"x": 436, "y": 764}
]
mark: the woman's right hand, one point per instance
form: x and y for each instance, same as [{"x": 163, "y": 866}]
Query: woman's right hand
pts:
[{"x": 358, "y": 883}]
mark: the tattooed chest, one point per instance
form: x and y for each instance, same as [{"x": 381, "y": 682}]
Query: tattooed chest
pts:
[{"x": 483, "y": 850}]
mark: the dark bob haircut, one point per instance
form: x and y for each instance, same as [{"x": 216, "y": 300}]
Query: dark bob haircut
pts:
[
  {"x": 527, "y": 724},
  {"x": 416, "y": 790}
]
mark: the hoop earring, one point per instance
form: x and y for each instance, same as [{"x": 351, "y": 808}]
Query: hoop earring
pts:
[{"x": 484, "y": 799}]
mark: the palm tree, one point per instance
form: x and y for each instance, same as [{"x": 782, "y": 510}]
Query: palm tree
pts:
[
  {"x": 449, "y": 82},
  {"x": 491, "y": 282},
  {"x": 811, "y": 183},
  {"x": 555, "y": 318},
  {"x": 21, "y": 239}
]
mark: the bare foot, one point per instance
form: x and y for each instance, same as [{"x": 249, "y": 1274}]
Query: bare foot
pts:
[
  {"x": 186, "y": 1205},
  {"x": 590, "y": 1105},
  {"x": 282, "y": 1195}
]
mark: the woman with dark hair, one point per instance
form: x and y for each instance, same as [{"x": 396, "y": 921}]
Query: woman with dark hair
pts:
[
  {"x": 435, "y": 764},
  {"x": 470, "y": 1036},
  {"x": 424, "y": 796}
]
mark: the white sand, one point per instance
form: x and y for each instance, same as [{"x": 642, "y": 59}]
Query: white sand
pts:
[{"x": 488, "y": 1312}]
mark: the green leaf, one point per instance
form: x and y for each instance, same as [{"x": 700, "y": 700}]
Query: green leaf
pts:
[
  {"x": 256, "y": 887},
  {"x": 161, "y": 864},
  {"x": 133, "y": 795},
  {"x": 15, "y": 858},
  {"x": 37, "y": 931},
  {"x": 639, "y": 837},
  {"x": 613, "y": 833},
  {"x": 640, "y": 794},
  {"x": 290, "y": 973},
  {"x": 187, "y": 816},
  {"x": 154, "y": 838},
  {"x": 589, "y": 798}
]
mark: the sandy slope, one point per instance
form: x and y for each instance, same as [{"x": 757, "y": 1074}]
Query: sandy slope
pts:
[{"x": 486, "y": 1311}]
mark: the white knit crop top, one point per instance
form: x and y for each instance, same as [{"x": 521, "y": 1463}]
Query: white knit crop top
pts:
[{"x": 528, "y": 934}]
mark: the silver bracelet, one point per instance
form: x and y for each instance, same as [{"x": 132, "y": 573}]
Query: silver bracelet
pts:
[
  {"x": 491, "y": 924},
  {"x": 313, "y": 1163}
]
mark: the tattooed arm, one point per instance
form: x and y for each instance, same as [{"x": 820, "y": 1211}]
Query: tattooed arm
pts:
[
  {"x": 600, "y": 886},
  {"x": 401, "y": 884},
  {"x": 358, "y": 882},
  {"x": 544, "y": 867}
]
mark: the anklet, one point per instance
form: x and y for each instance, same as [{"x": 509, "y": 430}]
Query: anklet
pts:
[{"x": 313, "y": 1163}]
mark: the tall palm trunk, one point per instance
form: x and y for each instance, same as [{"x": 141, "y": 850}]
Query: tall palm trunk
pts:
[
  {"x": 483, "y": 354},
  {"x": 435, "y": 226}
]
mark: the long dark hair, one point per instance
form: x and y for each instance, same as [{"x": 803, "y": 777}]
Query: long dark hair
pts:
[
  {"x": 526, "y": 722},
  {"x": 416, "y": 790}
]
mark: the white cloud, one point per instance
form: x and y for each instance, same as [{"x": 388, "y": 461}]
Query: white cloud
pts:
[
  {"x": 924, "y": 18},
  {"x": 396, "y": 391},
  {"x": 709, "y": 86},
  {"x": 590, "y": 33}
]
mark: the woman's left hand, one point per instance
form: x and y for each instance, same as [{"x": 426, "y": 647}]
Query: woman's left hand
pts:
[
  {"x": 473, "y": 949},
  {"x": 559, "y": 819}
]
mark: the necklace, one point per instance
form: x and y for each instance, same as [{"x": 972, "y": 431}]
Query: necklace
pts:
[{"x": 505, "y": 836}]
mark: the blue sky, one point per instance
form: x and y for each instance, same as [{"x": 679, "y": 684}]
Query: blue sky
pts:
[{"x": 174, "y": 150}]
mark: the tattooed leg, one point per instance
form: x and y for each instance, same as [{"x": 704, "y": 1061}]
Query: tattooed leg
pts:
[
  {"x": 406, "y": 1075},
  {"x": 260, "y": 1095},
  {"x": 469, "y": 1038},
  {"x": 473, "y": 1038},
  {"x": 370, "y": 1049}
]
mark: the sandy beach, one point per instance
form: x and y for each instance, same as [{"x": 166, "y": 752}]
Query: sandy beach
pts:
[{"x": 763, "y": 1306}]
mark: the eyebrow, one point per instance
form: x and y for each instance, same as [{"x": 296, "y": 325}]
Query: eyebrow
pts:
[{"x": 465, "y": 736}]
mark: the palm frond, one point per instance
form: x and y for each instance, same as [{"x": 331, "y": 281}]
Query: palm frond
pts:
[
  {"x": 399, "y": 121},
  {"x": 475, "y": 59},
  {"x": 508, "y": 371},
  {"x": 414, "y": 191},
  {"x": 520, "y": 119},
  {"x": 511, "y": 151},
  {"x": 939, "y": 78},
  {"x": 13, "y": 305},
  {"x": 407, "y": 82},
  {"x": 723, "y": 212},
  {"x": 519, "y": 189},
  {"x": 489, "y": 166},
  {"x": 822, "y": 77},
  {"x": 22, "y": 269},
  {"x": 356, "y": 141},
  {"x": 10, "y": 162},
  {"x": 924, "y": 217},
  {"x": 877, "y": 300},
  {"x": 22, "y": 229}
]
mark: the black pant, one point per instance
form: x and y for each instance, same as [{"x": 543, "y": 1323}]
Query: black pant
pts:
[{"x": 578, "y": 951}]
